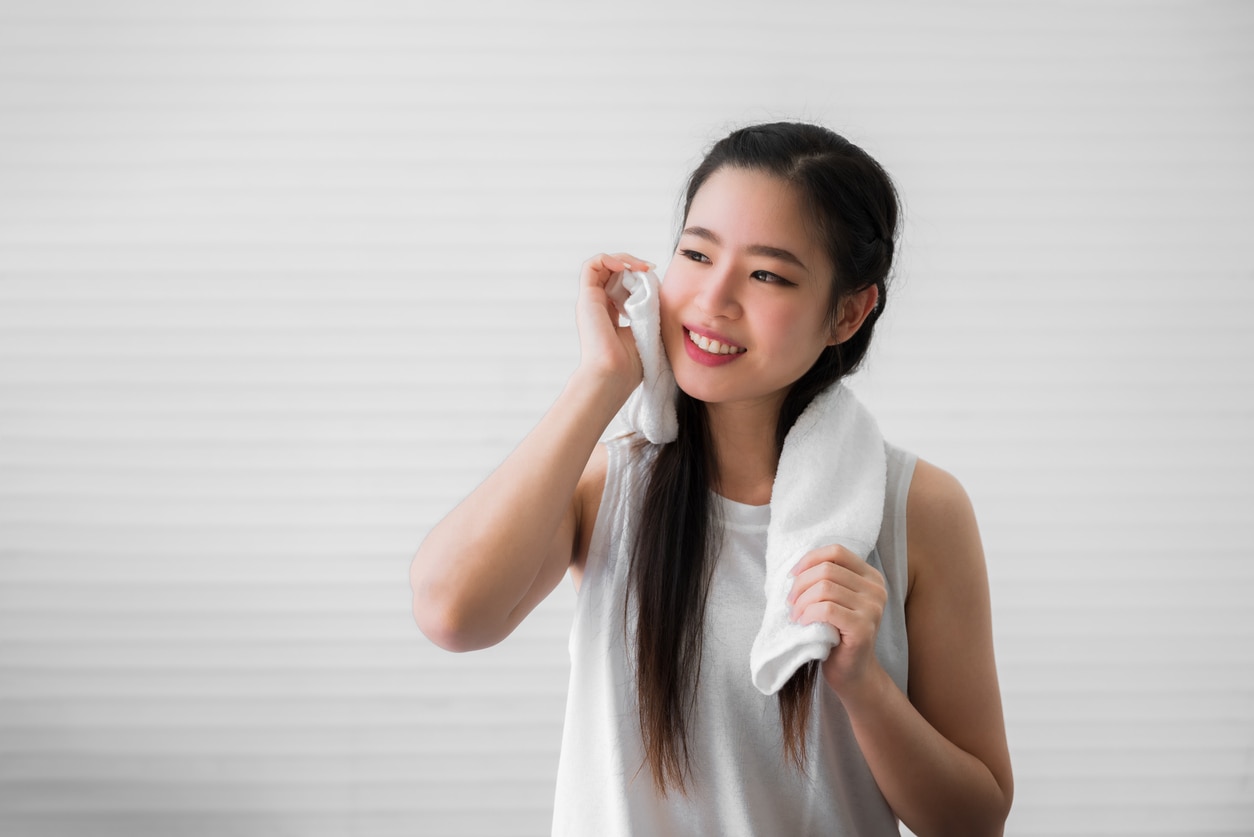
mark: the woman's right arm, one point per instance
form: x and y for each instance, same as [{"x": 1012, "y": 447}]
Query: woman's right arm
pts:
[{"x": 505, "y": 547}]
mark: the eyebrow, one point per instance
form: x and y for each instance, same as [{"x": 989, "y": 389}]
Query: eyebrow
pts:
[{"x": 756, "y": 249}]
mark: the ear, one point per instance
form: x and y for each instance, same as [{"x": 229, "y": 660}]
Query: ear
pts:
[{"x": 854, "y": 309}]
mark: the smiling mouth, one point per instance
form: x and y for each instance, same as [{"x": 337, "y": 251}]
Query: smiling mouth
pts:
[{"x": 714, "y": 347}]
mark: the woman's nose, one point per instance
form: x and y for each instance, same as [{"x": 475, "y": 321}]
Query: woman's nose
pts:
[{"x": 719, "y": 295}]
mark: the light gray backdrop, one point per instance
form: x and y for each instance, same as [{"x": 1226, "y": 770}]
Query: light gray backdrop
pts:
[{"x": 281, "y": 281}]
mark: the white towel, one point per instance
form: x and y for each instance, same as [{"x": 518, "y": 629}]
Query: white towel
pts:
[
  {"x": 829, "y": 487},
  {"x": 651, "y": 408}
]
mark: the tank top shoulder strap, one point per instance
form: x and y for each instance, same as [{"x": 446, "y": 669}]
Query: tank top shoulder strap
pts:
[
  {"x": 625, "y": 469},
  {"x": 892, "y": 540}
]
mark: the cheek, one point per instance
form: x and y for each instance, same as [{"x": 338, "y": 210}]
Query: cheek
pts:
[
  {"x": 666, "y": 307},
  {"x": 803, "y": 333},
  {"x": 791, "y": 325},
  {"x": 671, "y": 297}
]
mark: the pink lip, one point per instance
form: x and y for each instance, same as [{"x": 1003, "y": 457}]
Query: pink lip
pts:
[
  {"x": 713, "y": 335},
  {"x": 707, "y": 358}
]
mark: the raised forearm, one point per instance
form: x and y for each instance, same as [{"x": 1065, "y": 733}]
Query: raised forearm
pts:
[{"x": 477, "y": 565}]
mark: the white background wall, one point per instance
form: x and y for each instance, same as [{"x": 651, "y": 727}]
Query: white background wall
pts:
[{"x": 281, "y": 281}]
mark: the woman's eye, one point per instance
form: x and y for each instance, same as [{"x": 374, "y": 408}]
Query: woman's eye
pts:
[
  {"x": 694, "y": 255},
  {"x": 772, "y": 278}
]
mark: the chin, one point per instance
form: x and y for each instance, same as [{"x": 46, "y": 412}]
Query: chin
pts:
[
  {"x": 704, "y": 390},
  {"x": 700, "y": 390}
]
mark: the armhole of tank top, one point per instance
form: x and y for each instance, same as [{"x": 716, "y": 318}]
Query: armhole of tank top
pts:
[
  {"x": 901, "y": 466},
  {"x": 608, "y": 513}
]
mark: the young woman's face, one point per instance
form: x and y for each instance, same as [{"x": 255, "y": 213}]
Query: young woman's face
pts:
[{"x": 748, "y": 274}]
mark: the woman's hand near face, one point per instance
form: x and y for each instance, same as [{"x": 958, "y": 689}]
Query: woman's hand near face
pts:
[
  {"x": 607, "y": 350},
  {"x": 835, "y": 586}
]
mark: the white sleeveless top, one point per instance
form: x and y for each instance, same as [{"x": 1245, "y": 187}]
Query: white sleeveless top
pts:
[{"x": 741, "y": 782}]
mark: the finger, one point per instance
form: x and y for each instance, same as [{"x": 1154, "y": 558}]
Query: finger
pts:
[
  {"x": 834, "y": 554},
  {"x": 597, "y": 270},
  {"x": 853, "y": 623},
  {"x": 844, "y": 619},
  {"x": 870, "y": 599},
  {"x": 830, "y": 574},
  {"x": 633, "y": 263}
]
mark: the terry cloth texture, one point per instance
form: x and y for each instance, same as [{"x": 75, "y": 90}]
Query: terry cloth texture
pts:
[{"x": 651, "y": 408}]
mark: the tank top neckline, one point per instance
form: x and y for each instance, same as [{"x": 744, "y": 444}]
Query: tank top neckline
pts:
[{"x": 742, "y": 515}]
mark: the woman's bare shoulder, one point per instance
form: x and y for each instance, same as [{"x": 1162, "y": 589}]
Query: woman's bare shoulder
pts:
[
  {"x": 953, "y": 670},
  {"x": 940, "y": 522}
]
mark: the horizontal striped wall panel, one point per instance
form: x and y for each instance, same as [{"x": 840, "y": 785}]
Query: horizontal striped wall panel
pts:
[{"x": 280, "y": 283}]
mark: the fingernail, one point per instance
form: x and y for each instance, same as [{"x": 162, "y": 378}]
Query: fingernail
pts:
[{"x": 650, "y": 265}]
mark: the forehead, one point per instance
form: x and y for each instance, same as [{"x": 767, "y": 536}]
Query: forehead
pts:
[{"x": 746, "y": 207}]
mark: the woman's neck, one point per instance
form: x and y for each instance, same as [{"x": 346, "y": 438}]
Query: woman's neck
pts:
[{"x": 744, "y": 448}]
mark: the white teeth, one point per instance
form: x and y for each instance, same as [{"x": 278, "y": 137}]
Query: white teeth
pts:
[{"x": 713, "y": 346}]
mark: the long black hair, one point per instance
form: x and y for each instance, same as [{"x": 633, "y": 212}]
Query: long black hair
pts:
[{"x": 853, "y": 210}]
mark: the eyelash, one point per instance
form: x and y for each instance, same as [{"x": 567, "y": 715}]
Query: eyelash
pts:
[
  {"x": 770, "y": 278},
  {"x": 775, "y": 278}
]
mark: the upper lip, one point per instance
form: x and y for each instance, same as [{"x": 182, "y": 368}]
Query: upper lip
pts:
[{"x": 713, "y": 335}]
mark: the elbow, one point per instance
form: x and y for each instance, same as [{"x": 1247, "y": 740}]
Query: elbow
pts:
[
  {"x": 993, "y": 824},
  {"x": 443, "y": 630},
  {"x": 443, "y": 618},
  {"x": 1007, "y": 786},
  {"x": 439, "y": 621},
  {"x": 996, "y": 813},
  {"x": 985, "y": 818},
  {"x": 1000, "y": 796}
]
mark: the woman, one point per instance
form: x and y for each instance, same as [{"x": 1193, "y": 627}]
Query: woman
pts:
[{"x": 772, "y": 296}]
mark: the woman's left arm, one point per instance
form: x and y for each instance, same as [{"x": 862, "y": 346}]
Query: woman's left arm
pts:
[{"x": 939, "y": 756}]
